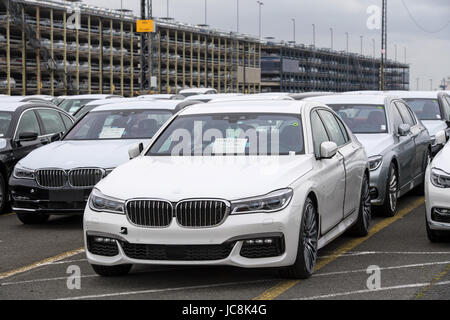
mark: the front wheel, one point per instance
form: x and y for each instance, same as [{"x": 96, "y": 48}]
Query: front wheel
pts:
[
  {"x": 307, "y": 247},
  {"x": 389, "y": 207},
  {"x": 361, "y": 227},
  {"x": 112, "y": 271}
]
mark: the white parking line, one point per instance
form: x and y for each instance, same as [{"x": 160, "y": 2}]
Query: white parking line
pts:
[
  {"x": 348, "y": 293},
  {"x": 417, "y": 265},
  {"x": 363, "y": 253},
  {"x": 42, "y": 280},
  {"x": 127, "y": 293}
]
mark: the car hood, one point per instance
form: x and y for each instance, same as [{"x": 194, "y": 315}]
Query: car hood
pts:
[
  {"x": 75, "y": 154},
  {"x": 375, "y": 144},
  {"x": 434, "y": 126},
  {"x": 442, "y": 159},
  {"x": 230, "y": 178}
]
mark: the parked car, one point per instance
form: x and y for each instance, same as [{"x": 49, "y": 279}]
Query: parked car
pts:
[
  {"x": 207, "y": 191},
  {"x": 195, "y": 91},
  {"x": 437, "y": 194},
  {"x": 398, "y": 144},
  {"x": 25, "y": 126},
  {"x": 432, "y": 108},
  {"x": 71, "y": 104},
  {"x": 58, "y": 178}
]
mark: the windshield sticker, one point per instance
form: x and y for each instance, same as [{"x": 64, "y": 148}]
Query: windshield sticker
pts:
[
  {"x": 438, "y": 116},
  {"x": 383, "y": 127},
  {"x": 111, "y": 133},
  {"x": 381, "y": 108},
  {"x": 229, "y": 146},
  {"x": 295, "y": 124}
]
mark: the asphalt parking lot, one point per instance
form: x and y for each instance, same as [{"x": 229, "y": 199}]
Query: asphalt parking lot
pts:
[{"x": 35, "y": 261}]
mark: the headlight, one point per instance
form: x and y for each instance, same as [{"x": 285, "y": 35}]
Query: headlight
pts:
[
  {"x": 375, "y": 162},
  {"x": 23, "y": 173},
  {"x": 271, "y": 202},
  {"x": 440, "y": 178},
  {"x": 100, "y": 202}
]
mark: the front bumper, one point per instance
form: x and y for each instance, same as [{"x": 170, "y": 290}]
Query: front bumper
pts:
[
  {"x": 28, "y": 197},
  {"x": 436, "y": 198},
  {"x": 378, "y": 182},
  {"x": 232, "y": 232}
]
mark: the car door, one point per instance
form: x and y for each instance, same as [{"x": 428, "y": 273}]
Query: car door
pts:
[
  {"x": 405, "y": 147},
  {"x": 420, "y": 136},
  {"x": 338, "y": 134},
  {"x": 332, "y": 195},
  {"x": 28, "y": 122},
  {"x": 52, "y": 122}
]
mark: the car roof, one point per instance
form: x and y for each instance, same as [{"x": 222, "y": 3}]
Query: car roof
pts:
[
  {"x": 260, "y": 106},
  {"x": 11, "y": 106},
  {"x": 88, "y": 96},
  {"x": 351, "y": 99},
  {"x": 196, "y": 90},
  {"x": 416, "y": 94},
  {"x": 212, "y": 96},
  {"x": 140, "y": 104},
  {"x": 251, "y": 97}
]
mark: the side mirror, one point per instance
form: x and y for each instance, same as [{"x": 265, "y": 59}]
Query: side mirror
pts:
[
  {"x": 441, "y": 138},
  {"x": 28, "y": 136},
  {"x": 135, "y": 150},
  {"x": 448, "y": 123},
  {"x": 56, "y": 137},
  {"x": 404, "y": 129},
  {"x": 328, "y": 150}
]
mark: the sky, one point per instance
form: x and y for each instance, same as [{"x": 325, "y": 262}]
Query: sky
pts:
[{"x": 422, "y": 27}]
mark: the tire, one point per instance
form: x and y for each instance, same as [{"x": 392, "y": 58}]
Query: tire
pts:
[
  {"x": 306, "y": 259},
  {"x": 32, "y": 218},
  {"x": 361, "y": 227},
  {"x": 112, "y": 271},
  {"x": 389, "y": 207},
  {"x": 420, "y": 189},
  {"x": 3, "y": 194}
]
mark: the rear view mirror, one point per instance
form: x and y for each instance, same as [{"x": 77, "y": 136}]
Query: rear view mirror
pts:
[
  {"x": 328, "y": 150},
  {"x": 28, "y": 136},
  {"x": 441, "y": 137},
  {"x": 404, "y": 129},
  {"x": 135, "y": 150}
]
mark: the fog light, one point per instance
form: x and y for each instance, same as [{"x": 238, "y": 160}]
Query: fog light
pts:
[
  {"x": 442, "y": 212},
  {"x": 440, "y": 215},
  {"x": 104, "y": 240}
]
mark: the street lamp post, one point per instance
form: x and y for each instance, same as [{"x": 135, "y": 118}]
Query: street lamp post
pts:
[
  {"x": 260, "y": 4},
  {"x": 362, "y": 41},
  {"x": 314, "y": 34},
  {"x": 331, "y": 33},
  {"x": 293, "y": 29},
  {"x": 237, "y": 16},
  {"x": 373, "y": 42},
  {"x": 346, "y": 34}
]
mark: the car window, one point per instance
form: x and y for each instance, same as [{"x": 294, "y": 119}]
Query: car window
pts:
[
  {"x": 364, "y": 118},
  {"x": 5, "y": 121},
  {"x": 425, "y": 109},
  {"x": 231, "y": 134},
  {"x": 51, "y": 120},
  {"x": 398, "y": 120},
  {"x": 406, "y": 115},
  {"x": 333, "y": 127},
  {"x": 447, "y": 107},
  {"x": 67, "y": 121},
  {"x": 319, "y": 133},
  {"x": 28, "y": 123}
]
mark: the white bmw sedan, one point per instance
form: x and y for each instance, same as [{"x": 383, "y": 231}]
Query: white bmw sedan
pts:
[
  {"x": 437, "y": 193},
  {"x": 246, "y": 183}
]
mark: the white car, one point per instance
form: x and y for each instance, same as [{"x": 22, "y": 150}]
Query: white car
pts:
[
  {"x": 71, "y": 104},
  {"x": 249, "y": 184},
  {"x": 437, "y": 193},
  {"x": 58, "y": 178}
]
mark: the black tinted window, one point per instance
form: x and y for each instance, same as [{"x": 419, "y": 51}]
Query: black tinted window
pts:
[{"x": 28, "y": 123}]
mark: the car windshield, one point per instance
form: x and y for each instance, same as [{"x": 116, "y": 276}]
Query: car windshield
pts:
[
  {"x": 231, "y": 134},
  {"x": 120, "y": 124},
  {"x": 5, "y": 122},
  {"x": 363, "y": 118},
  {"x": 425, "y": 109},
  {"x": 72, "y": 105}
]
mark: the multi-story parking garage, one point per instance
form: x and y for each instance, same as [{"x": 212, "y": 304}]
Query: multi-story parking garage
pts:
[{"x": 42, "y": 52}]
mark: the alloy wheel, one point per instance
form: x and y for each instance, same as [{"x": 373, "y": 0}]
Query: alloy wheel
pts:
[
  {"x": 393, "y": 188},
  {"x": 310, "y": 238}
]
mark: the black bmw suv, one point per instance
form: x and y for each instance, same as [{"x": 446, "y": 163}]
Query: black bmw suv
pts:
[{"x": 25, "y": 126}]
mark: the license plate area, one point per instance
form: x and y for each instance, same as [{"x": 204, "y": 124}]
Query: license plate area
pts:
[{"x": 66, "y": 195}]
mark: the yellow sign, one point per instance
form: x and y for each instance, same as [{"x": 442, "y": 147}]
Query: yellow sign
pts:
[{"x": 145, "y": 26}]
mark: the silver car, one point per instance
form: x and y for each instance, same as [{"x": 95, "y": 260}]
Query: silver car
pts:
[{"x": 396, "y": 141}]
